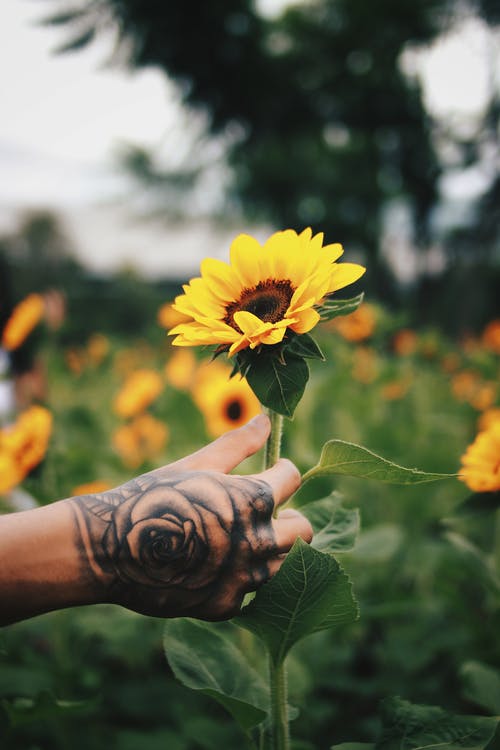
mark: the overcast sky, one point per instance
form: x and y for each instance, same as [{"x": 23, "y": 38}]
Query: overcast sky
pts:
[{"x": 62, "y": 116}]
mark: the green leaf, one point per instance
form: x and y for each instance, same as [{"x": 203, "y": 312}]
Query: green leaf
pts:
[
  {"x": 310, "y": 592},
  {"x": 406, "y": 727},
  {"x": 304, "y": 345},
  {"x": 331, "y": 307},
  {"x": 379, "y": 544},
  {"x": 482, "y": 685},
  {"x": 204, "y": 660},
  {"x": 354, "y": 746},
  {"x": 340, "y": 457},
  {"x": 279, "y": 385},
  {"x": 335, "y": 527}
]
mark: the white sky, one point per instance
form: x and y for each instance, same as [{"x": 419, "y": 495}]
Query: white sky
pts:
[{"x": 62, "y": 116}]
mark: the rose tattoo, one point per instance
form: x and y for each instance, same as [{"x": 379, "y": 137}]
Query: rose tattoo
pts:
[{"x": 175, "y": 542}]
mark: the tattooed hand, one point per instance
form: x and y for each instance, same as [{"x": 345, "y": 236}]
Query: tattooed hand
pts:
[{"x": 189, "y": 539}]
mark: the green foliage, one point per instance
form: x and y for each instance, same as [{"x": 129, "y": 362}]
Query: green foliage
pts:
[
  {"x": 277, "y": 382},
  {"x": 428, "y": 602},
  {"x": 335, "y": 527},
  {"x": 482, "y": 686},
  {"x": 204, "y": 660},
  {"x": 310, "y": 592},
  {"x": 340, "y": 457},
  {"x": 331, "y": 307},
  {"x": 406, "y": 726},
  {"x": 44, "y": 706}
]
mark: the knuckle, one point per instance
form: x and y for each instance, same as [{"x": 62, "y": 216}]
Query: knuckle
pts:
[{"x": 295, "y": 477}]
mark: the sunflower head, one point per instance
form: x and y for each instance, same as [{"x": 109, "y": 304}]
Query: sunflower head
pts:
[
  {"x": 263, "y": 299},
  {"x": 265, "y": 291}
]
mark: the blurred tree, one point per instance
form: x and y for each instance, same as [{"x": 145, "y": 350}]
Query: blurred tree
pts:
[{"x": 323, "y": 126}]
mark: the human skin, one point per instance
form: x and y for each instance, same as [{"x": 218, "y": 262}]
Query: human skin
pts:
[{"x": 188, "y": 539}]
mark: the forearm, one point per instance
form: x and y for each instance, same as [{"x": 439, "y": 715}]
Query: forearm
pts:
[{"x": 42, "y": 563}]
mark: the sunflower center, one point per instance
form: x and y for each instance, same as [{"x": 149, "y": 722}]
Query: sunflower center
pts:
[
  {"x": 268, "y": 300},
  {"x": 233, "y": 410}
]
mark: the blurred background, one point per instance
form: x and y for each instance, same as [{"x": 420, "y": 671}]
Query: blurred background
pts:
[{"x": 138, "y": 137}]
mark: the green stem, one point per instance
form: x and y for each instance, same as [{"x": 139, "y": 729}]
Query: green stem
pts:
[
  {"x": 279, "y": 706},
  {"x": 280, "y": 736},
  {"x": 273, "y": 445}
]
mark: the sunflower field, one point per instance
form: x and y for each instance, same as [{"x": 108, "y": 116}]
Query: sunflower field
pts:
[{"x": 425, "y": 567}]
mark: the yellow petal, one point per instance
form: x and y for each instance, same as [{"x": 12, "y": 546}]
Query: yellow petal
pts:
[
  {"x": 307, "y": 319},
  {"x": 333, "y": 252},
  {"x": 344, "y": 274},
  {"x": 221, "y": 279},
  {"x": 306, "y": 234},
  {"x": 248, "y": 322},
  {"x": 283, "y": 249},
  {"x": 245, "y": 254}
]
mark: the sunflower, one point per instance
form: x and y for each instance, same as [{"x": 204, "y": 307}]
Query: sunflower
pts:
[
  {"x": 140, "y": 389},
  {"x": 224, "y": 403},
  {"x": 23, "y": 445},
  {"x": 180, "y": 369},
  {"x": 263, "y": 292},
  {"x": 141, "y": 439},
  {"x": 357, "y": 326},
  {"x": 481, "y": 461},
  {"x": 25, "y": 316}
]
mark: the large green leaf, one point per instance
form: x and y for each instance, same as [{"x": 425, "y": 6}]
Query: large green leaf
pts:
[
  {"x": 310, "y": 592},
  {"x": 331, "y": 307},
  {"x": 406, "y": 726},
  {"x": 202, "y": 659},
  {"x": 340, "y": 457},
  {"x": 278, "y": 383},
  {"x": 482, "y": 685},
  {"x": 335, "y": 527}
]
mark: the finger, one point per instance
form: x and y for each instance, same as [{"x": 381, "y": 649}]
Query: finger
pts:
[
  {"x": 275, "y": 564},
  {"x": 230, "y": 449},
  {"x": 289, "y": 525},
  {"x": 283, "y": 478},
  {"x": 262, "y": 573}
]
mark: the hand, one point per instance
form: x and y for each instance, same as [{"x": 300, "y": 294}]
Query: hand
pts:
[{"x": 188, "y": 539}]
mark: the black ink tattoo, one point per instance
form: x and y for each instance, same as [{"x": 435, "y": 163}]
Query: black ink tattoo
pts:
[{"x": 187, "y": 543}]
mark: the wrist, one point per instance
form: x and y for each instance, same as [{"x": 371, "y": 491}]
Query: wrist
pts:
[{"x": 41, "y": 563}]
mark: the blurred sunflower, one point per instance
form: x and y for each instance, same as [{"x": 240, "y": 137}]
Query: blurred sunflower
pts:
[
  {"x": 10, "y": 472},
  {"x": 491, "y": 336},
  {"x": 180, "y": 369},
  {"x": 358, "y": 326},
  {"x": 142, "y": 439},
  {"x": 24, "y": 444},
  {"x": 264, "y": 291},
  {"x": 25, "y": 316},
  {"x": 97, "y": 348},
  {"x": 487, "y": 418},
  {"x": 481, "y": 461},
  {"x": 140, "y": 389},
  {"x": 224, "y": 403},
  {"x": 404, "y": 342}
]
